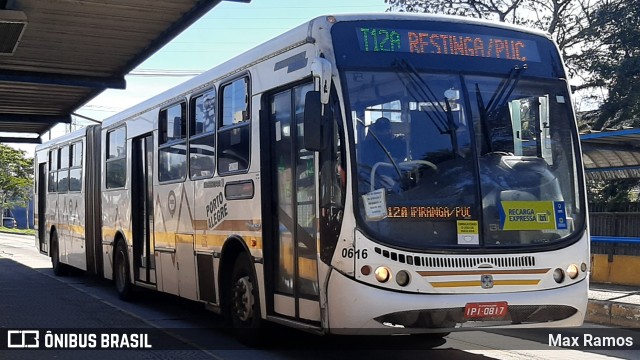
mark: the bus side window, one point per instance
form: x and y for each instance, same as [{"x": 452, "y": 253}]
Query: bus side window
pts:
[
  {"x": 172, "y": 149},
  {"x": 202, "y": 135},
  {"x": 234, "y": 135},
  {"x": 53, "y": 171},
  {"x": 75, "y": 170},
  {"x": 63, "y": 173},
  {"x": 116, "y": 161}
]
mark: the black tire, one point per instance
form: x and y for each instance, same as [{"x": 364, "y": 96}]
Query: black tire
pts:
[
  {"x": 244, "y": 302},
  {"x": 59, "y": 269},
  {"x": 121, "y": 275}
]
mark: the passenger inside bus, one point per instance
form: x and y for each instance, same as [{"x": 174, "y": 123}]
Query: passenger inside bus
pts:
[{"x": 380, "y": 140}]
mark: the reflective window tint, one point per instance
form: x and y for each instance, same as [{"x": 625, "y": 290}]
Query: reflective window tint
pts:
[
  {"x": 116, "y": 143},
  {"x": 202, "y": 132},
  {"x": 172, "y": 155},
  {"x": 235, "y": 102},
  {"x": 53, "y": 174},
  {"x": 116, "y": 171},
  {"x": 75, "y": 172},
  {"x": 234, "y": 137},
  {"x": 172, "y": 163},
  {"x": 203, "y": 110}
]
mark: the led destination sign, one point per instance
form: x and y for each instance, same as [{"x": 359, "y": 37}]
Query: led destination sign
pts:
[
  {"x": 446, "y": 43},
  {"x": 429, "y": 212}
]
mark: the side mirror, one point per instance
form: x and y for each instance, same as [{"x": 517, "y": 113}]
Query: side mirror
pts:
[
  {"x": 321, "y": 71},
  {"x": 314, "y": 139}
]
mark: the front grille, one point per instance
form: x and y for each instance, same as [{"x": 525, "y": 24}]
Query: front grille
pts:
[{"x": 458, "y": 262}]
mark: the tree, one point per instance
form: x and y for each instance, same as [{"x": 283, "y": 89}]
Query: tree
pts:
[
  {"x": 612, "y": 195},
  {"x": 568, "y": 21},
  {"x": 614, "y": 46},
  {"x": 16, "y": 178},
  {"x": 613, "y": 43}
]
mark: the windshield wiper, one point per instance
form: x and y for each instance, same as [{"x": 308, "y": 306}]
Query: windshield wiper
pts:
[
  {"x": 417, "y": 85},
  {"x": 498, "y": 100}
]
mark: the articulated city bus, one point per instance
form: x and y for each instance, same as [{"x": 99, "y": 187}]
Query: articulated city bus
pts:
[{"x": 386, "y": 173}]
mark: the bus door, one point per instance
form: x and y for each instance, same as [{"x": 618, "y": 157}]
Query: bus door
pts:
[
  {"x": 294, "y": 232},
  {"x": 42, "y": 206},
  {"x": 142, "y": 209}
]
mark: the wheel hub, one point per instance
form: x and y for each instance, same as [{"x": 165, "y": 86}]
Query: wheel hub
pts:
[{"x": 243, "y": 298}]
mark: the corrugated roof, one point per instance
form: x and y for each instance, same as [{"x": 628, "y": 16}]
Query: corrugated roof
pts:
[
  {"x": 72, "y": 50},
  {"x": 611, "y": 154}
]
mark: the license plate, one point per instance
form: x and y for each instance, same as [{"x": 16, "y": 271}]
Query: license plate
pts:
[{"x": 488, "y": 310}]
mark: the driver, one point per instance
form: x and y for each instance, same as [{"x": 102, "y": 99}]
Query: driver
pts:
[{"x": 373, "y": 151}]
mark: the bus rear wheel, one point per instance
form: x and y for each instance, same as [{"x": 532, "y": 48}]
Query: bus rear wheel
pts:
[
  {"x": 244, "y": 304},
  {"x": 121, "y": 272},
  {"x": 59, "y": 269}
]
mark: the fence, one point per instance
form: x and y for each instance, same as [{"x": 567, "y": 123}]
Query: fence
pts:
[{"x": 615, "y": 233}]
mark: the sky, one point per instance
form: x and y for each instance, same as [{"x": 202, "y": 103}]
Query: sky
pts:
[{"x": 227, "y": 30}]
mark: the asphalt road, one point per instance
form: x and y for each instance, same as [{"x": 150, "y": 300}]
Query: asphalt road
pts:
[{"x": 32, "y": 298}]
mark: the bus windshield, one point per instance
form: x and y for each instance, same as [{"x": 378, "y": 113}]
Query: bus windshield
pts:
[{"x": 464, "y": 161}]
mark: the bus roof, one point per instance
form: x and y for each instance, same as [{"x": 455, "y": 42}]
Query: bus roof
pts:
[
  {"x": 64, "y": 138},
  {"x": 436, "y": 17},
  {"x": 299, "y": 34}
]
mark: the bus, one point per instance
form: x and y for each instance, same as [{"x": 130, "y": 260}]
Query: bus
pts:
[{"x": 367, "y": 173}]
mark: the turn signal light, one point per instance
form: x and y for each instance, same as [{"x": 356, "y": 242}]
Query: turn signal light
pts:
[{"x": 365, "y": 270}]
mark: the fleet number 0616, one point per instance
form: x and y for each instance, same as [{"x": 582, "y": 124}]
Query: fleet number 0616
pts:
[{"x": 350, "y": 253}]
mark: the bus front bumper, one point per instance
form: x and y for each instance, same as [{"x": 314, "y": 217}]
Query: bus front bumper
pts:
[{"x": 356, "y": 308}]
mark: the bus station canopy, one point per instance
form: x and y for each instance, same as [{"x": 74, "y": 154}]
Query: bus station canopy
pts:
[
  {"x": 57, "y": 55},
  {"x": 613, "y": 154}
]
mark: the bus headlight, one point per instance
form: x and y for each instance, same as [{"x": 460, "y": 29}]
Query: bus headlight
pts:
[
  {"x": 558, "y": 275},
  {"x": 572, "y": 271},
  {"x": 402, "y": 278},
  {"x": 382, "y": 274}
]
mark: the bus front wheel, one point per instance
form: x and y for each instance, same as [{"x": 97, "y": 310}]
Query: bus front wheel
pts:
[
  {"x": 121, "y": 272},
  {"x": 244, "y": 305}
]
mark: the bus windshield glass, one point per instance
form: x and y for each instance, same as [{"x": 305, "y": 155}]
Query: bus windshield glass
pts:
[{"x": 463, "y": 160}]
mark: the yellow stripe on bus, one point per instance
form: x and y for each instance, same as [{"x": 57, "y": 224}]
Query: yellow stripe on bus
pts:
[
  {"x": 229, "y": 225},
  {"x": 484, "y": 272},
  {"x": 73, "y": 229},
  {"x": 168, "y": 239},
  {"x": 474, "y": 283}
]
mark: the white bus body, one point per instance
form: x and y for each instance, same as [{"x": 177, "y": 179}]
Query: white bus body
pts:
[{"x": 222, "y": 190}]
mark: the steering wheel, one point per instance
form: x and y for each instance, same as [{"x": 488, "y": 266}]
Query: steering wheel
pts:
[
  {"x": 500, "y": 153},
  {"x": 421, "y": 162},
  {"x": 388, "y": 180}
]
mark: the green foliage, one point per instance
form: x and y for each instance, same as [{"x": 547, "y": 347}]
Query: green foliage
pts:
[
  {"x": 614, "y": 47},
  {"x": 16, "y": 177},
  {"x": 17, "y": 231},
  {"x": 612, "y": 195}
]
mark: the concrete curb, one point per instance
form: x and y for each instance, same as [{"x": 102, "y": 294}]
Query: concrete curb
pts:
[{"x": 612, "y": 313}]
